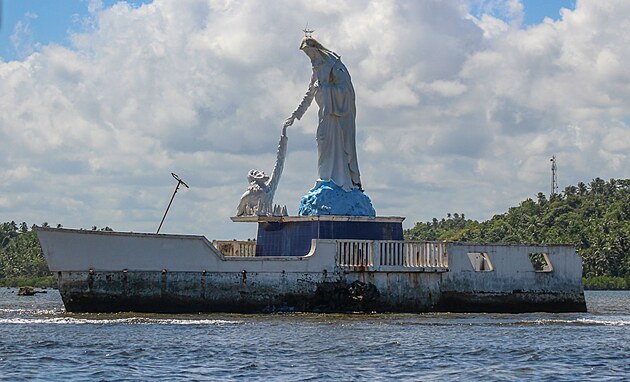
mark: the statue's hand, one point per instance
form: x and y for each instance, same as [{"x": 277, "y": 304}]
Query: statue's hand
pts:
[{"x": 288, "y": 123}]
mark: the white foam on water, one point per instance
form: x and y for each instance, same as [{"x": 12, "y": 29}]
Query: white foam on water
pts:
[
  {"x": 607, "y": 320},
  {"x": 601, "y": 321},
  {"x": 33, "y": 311},
  {"x": 114, "y": 321}
]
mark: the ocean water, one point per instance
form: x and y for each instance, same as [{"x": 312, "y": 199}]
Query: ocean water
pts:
[{"x": 40, "y": 342}]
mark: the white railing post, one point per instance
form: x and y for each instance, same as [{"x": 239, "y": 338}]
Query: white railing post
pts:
[
  {"x": 391, "y": 255},
  {"x": 355, "y": 253},
  {"x": 233, "y": 248}
]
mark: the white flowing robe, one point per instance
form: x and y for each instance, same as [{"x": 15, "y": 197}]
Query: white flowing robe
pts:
[{"x": 331, "y": 86}]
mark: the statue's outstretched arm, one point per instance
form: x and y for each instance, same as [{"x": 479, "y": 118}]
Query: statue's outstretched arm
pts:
[
  {"x": 279, "y": 166},
  {"x": 306, "y": 102}
]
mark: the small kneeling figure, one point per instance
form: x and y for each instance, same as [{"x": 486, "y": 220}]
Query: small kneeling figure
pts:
[{"x": 258, "y": 199}]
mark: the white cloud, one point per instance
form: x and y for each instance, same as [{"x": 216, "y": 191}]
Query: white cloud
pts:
[
  {"x": 456, "y": 113},
  {"x": 447, "y": 88},
  {"x": 22, "y": 36}
]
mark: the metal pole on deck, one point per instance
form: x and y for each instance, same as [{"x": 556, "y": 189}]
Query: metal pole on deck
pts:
[{"x": 179, "y": 182}]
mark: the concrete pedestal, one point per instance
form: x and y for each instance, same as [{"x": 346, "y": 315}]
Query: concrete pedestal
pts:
[{"x": 292, "y": 235}]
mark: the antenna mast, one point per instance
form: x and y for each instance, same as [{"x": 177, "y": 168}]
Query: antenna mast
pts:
[{"x": 554, "y": 176}]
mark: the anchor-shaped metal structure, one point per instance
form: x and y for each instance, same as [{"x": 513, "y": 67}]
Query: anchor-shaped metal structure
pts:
[{"x": 179, "y": 182}]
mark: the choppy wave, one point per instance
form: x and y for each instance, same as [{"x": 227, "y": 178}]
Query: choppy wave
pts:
[
  {"x": 577, "y": 322},
  {"x": 580, "y": 321},
  {"x": 611, "y": 320},
  {"x": 111, "y": 321},
  {"x": 52, "y": 317},
  {"x": 606, "y": 321},
  {"x": 40, "y": 341}
]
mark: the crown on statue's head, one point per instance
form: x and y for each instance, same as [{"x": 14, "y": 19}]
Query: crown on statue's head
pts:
[{"x": 308, "y": 32}]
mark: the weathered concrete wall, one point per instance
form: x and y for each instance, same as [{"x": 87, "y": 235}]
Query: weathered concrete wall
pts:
[
  {"x": 247, "y": 292},
  {"x": 80, "y": 250},
  {"x": 104, "y": 272},
  {"x": 177, "y": 292},
  {"x": 513, "y": 285}
]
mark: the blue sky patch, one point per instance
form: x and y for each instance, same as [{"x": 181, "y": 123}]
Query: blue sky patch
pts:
[{"x": 28, "y": 24}]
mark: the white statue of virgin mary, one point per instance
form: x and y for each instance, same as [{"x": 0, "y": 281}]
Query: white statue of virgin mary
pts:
[{"x": 331, "y": 86}]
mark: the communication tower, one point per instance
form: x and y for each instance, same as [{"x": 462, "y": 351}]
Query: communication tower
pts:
[{"x": 554, "y": 176}]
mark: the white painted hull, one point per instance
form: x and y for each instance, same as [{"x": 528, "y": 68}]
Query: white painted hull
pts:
[{"x": 114, "y": 271}]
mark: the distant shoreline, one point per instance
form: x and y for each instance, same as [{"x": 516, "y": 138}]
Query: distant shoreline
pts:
[
  {"x": 606, "y": 283},
  {"x": 35, "y": 282}
]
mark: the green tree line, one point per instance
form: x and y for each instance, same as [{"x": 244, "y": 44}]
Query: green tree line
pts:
[
  {"x": 21, "y": 260},
  {"x": 594, "y": 217}
]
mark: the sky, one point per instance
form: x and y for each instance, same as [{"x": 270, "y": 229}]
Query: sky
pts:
[{"x": 460, "y": 105}]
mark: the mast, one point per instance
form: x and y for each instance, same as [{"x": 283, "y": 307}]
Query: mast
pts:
[{"x": 554, "y": 176}]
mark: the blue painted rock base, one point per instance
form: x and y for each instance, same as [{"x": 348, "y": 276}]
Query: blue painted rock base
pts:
[{"x": 326, "y": 198}]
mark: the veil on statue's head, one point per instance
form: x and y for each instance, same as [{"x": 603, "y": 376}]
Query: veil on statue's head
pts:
[{"x": 310, "y": 42}]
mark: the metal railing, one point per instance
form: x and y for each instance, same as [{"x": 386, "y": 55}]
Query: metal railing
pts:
[
  {"x": 235, "y": 248},
  {"x": 391, "y": 255}
]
